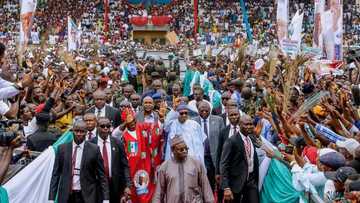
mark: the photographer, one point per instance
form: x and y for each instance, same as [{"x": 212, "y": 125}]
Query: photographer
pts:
[
  {"x": 6, "y": 153},
  {"x": 9, "y": 89}
]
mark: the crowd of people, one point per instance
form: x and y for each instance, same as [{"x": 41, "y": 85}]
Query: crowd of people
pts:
[{"x": 229, "y": 130}]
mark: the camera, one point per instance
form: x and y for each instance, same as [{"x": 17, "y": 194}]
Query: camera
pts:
[{"x": 6, "y": 137}]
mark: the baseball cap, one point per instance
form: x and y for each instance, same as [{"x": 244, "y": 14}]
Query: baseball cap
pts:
[{"x": 340, "y": 174}]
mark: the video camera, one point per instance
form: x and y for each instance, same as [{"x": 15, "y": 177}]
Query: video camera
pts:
[{"x": 7, "y": 136}]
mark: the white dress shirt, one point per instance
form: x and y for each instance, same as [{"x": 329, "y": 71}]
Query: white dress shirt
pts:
[
  {"x": 93, "y": 134},
  {"x": 202, "y": 125},
  {"x": 250, "y": 159},
  {"x": 232, "y": 132},
  {"x": 108, "y": 149},
  {"x": 76, "y": 178}
]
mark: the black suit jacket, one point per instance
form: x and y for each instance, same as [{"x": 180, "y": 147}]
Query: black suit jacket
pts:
[
  {"x": 120, "y": 175},
  {"x": 111, "y": 113},
  {"x": 224, "y": 135},
  {"x": 234, "y": 166},
  {"x": 224, "y": 116},
  {"x": 92, "y": 174},
  {"x": 42, "y": 139}
]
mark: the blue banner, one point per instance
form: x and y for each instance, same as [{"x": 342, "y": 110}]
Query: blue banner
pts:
[{"x": 246, "y": 21}]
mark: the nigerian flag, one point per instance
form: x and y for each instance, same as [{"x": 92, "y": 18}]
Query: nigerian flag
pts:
[
  {"x": 32, "y": 183},
  {"x": 195, "y": 77}
]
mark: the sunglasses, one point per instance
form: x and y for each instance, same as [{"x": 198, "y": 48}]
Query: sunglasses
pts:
[
  {"x": 105, "y": 126},
  {"x": 183, "y": 113},
  {"x": 225, "y": 98}
]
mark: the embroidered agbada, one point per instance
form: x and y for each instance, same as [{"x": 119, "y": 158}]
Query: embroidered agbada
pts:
[{"x": 184, "y": 182}]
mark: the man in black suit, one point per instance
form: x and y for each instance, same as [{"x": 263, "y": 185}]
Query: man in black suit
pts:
[
  {"x": 229, "y": 131},
  {"x": 230, "y": 104},
  {"x": 115, "y": 162},
  {"x": 43, "y": 136},
  {"x": 102, "y": 110},
  {"x": 78, "y": 171},
  {"x": 239, "y": 166}
]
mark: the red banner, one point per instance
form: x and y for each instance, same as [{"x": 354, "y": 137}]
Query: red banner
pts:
[
  {"x": 160, "y": 20},
  {"x": 139, "y": 21},
  {"x": 106, "y": 18},
  {"x": 195, "y": 16}
]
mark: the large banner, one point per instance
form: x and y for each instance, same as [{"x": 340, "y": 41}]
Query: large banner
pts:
[
  {"x": 246, "y": 21},
  {"x": 27, "y": 12},
  {"x": 73, "y": 35},
  {"x": 332, "y": 24},
  {"x": 282, "y": 19},
  {"x": 295, "y": 29},
  {"x": 317, "y": 35}
]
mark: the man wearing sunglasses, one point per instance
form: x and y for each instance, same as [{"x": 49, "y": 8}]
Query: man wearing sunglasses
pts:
[
  {"x": 115, "y": 162},
  {"x": 191, "y": 132}
]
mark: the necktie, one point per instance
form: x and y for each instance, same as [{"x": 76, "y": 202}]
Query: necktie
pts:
[
  {"x": 89, "y": 135},
  {"x": 234, "y": 130},
  {"x": 247, "y": 148},
  {"x": 106, "y": 160},
  {"x": 205, "y": 128},
  {"x": 98, "y": 113},
  {"x": 73, "y": 163},
  {"x": 206, "y": 143}
]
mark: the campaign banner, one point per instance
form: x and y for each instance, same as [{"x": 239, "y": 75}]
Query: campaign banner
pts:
[
  {"x": 314, "y": 53},
  {"x": 295, "y": 28},
  {"x": 27, "y": 12},
  {"x": 282, "y": 19},
  {"x": 325, "y": 67},
  {"x": 73, "y": 35},
  {"x": 317, "y": 35},
  {"x": 290, "y": 47},
  {"x": 35, "y": 38},
  {"x": 246, "y": 21},
  {"x": 332, "y": 24}
]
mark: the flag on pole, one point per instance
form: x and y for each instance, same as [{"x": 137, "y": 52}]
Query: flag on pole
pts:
[
  {"x": 282, "y": 19},
  {"x": 27, "y": 12},
  {"x": 74, "y": 35},
  {"x": 32, "y": 183}
]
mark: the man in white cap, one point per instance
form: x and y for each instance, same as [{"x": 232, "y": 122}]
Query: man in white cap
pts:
[{"x": 191, "y": 132}]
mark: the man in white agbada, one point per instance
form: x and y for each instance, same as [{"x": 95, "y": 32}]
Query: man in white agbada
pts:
[{"x": 190, "y": 131}]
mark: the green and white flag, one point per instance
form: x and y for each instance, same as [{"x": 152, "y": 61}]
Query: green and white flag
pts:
[{"x": 32, "y": 184}]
